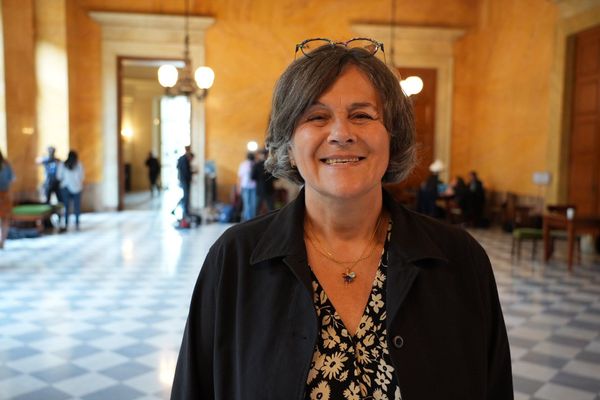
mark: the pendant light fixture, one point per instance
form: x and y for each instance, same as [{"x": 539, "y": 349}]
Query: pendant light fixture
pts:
[
  {"x": 412, "y": 84},
  {"x": 183, "y": 82}
]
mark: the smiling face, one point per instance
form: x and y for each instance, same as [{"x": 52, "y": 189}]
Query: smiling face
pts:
[{"x": 340, "y": 144}]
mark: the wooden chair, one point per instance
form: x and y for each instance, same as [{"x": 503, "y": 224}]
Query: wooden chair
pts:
[
  {"x": 518, "y": 218},
  {"x": 562, "y": 235},
  {"x": 522, "y": 234}
]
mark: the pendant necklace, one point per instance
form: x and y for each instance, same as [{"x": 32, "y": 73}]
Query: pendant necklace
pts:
[{"x": 348, "y": 275}]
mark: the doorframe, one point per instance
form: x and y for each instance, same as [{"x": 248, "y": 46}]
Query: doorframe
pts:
[
  {"x": 572, "y": 20},
  {"x": 149, "y": 36}
]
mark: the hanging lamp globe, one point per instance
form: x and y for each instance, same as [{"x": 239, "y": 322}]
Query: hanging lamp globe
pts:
[{"x": 182, "y": 82}]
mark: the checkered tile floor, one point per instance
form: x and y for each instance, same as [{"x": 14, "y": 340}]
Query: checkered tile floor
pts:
[
  {"x": 553, "y": 320},
  {"x": 99, "y": 314}
]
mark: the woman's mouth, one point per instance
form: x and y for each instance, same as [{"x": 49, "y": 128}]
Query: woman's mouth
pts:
[{"x": 341, "y": 160}]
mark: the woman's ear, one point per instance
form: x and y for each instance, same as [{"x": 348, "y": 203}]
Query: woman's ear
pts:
[{"x": 291, "y": 156}]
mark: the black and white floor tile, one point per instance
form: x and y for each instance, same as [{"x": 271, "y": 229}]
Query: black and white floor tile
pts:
[
  {"x": 98, "y": 314},
  {"x": 553, "y": 320}
]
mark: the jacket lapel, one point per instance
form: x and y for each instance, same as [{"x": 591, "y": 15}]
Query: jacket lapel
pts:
[
  {"x": 409, "y": 245},
  {"x": 284, "y": 238}
]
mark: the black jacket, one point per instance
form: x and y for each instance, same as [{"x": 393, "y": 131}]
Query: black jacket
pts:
[
  {"x": 184, "y": 170},
  {"x": 252, "y": 326}
]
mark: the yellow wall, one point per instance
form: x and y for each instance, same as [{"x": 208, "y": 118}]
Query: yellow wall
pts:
[
  {"x": 85, "y": 95},
  {"x": 502, "y": 88},
  {"x": 20, "y": 94},
  {"x": 252, "y": 42},
  {"x": 2, "y": 91},
  {"x": 502, "y": 76},
  {"x": 51, "y": 77}
]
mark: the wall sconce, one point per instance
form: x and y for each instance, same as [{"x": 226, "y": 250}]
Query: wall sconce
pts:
[{"x": 127, "y": 134}]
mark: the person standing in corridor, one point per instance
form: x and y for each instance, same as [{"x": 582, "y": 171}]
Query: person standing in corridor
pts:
[{"x": 71, "y": 174}]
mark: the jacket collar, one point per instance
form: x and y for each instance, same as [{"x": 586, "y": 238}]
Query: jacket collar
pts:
[
  {"x": 410, "y": 241},
  {"x": 284, "y": 235}
]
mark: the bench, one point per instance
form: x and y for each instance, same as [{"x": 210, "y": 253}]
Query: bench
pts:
[{"x": 34, "y": 213}]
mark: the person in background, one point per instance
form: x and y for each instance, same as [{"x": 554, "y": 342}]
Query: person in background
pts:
[
  {"x": 7, "y": 176},
  {"x": 459, "y": 191},
  {"x": 51, "y": 183},
  {"x": 427, "y": 196},
  {"x": 343, "y": 293},
  {"x": 429, "y": 191},
  {"x": 476, "y": 200},
  {"x": 71, "y": 174},
  {"x": 153, "y": 166},
  {"x": 247, "y": 187},
  {"x": 184, "y": 174},
  {"x": 265, "y": 191}
]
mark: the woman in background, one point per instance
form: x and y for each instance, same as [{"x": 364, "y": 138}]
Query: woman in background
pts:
[
  {"x": 6, "y": 178},
  {"x": 70, "y": 173}
]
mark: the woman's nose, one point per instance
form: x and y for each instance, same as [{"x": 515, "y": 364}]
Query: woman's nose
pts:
[{"x": 341, "y": 133}]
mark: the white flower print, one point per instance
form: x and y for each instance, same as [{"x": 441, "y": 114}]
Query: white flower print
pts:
[
  {"x": 369, "y": 340},
  {"x": 362, "y": 355},
  {"x": 379, "y": 395},
  {"x": 353, "y": 392},
  {"x": 385, "y": 368},
  {"x": 321, "y": 392},
  {"x": 383, "y": 344},
  {"x": 353, "y": 366},
  {"x": 382, "y": 380},
  {"x": 379, "y": 279},
  {"x": 323, "y": 297},
  {"x": 343, "y": 376},
  {"x": 315, "y": 287},
  {"x": 363, "y": 389},
  {"x": 375, "y": 353},
  {"x": 364, "y": 326},
  {"x": 397, "y": 395},
  {"x": 312, "y": 374},
  {"x": 315, "y": 366},
  {"x": 330, "y": 337},
  {"x": 333, "y": 365},
  {"x": 376, "y": 302}
]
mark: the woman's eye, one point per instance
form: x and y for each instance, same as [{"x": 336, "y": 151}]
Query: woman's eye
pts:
[
  {"x": 316, "y": 117},
  {"x": 363, "y": 116}
]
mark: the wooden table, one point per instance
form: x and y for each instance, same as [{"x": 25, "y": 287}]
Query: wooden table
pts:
[{"x": 577, "y": 225}]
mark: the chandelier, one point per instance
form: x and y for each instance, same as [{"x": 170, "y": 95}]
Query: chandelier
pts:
[{"x": 184, "y": 83}]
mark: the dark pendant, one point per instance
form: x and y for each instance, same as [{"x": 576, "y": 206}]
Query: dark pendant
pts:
[{"x": 349, "y": 277}]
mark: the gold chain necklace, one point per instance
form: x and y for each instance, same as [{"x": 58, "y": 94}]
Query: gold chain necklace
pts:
[{"x": 348, "y": 275}]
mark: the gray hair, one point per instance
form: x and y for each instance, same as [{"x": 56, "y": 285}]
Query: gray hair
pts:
[{"x": 307, "y": 78}]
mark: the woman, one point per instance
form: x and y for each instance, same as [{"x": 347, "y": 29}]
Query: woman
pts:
[
  {"x": 343, "y": 294},
  {"x": 6, "y": 178},
  {"x": 70, "y": 173}
]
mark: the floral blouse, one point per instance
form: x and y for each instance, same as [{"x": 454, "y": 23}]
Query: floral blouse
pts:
[{"x": 353, "y": 367}]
